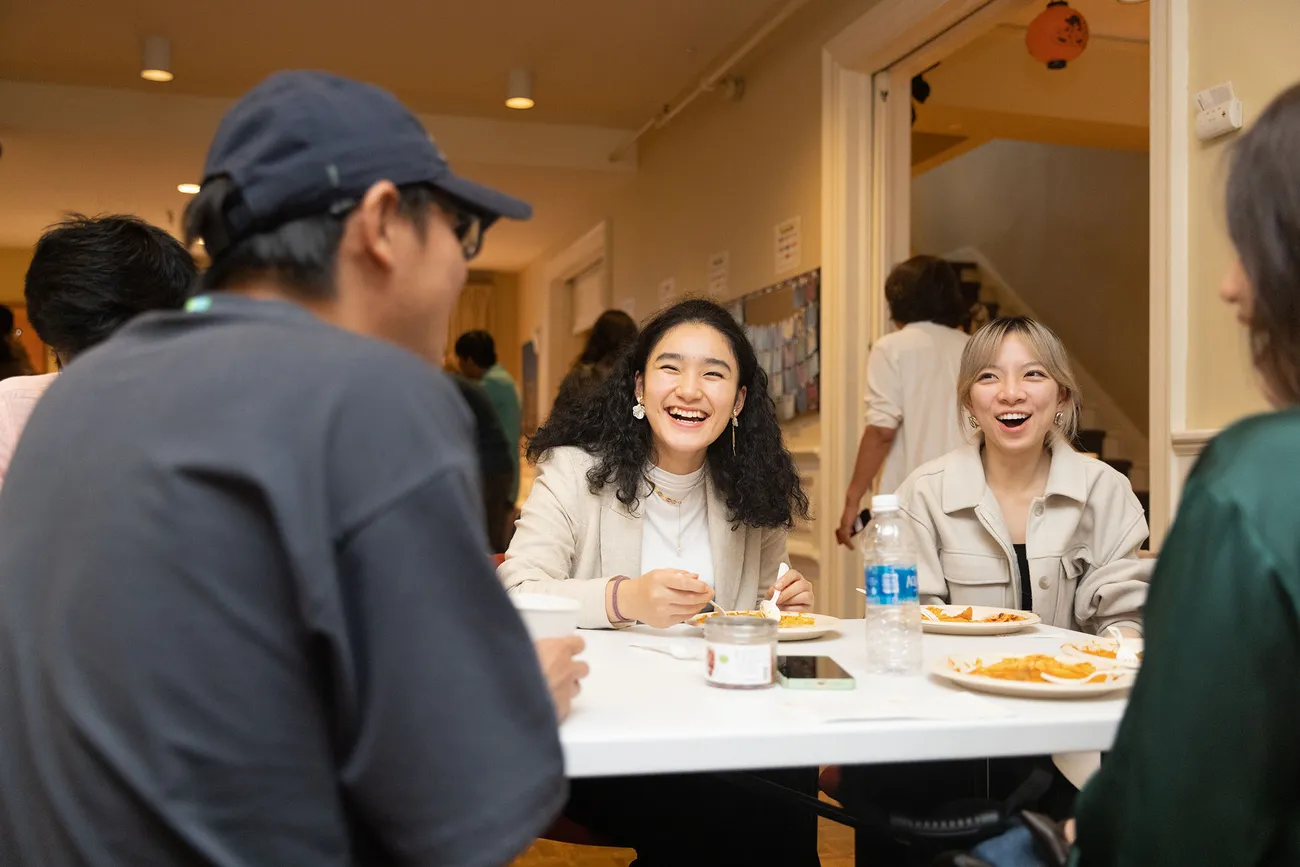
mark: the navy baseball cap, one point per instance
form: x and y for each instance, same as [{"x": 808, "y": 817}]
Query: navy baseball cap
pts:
[{"x": 303, "y": 143}]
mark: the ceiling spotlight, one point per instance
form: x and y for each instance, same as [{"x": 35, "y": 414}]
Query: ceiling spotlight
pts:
[
  {"x": 156, "y": 64},
  {"x": 520, "y": 93},
  {"x": 187, "y": 189}
]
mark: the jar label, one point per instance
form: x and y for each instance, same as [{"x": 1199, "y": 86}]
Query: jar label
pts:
[{"x": 739, "y": 664}]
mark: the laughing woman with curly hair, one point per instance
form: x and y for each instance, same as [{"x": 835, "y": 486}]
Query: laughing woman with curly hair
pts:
[{"x": 667, "y": 486}]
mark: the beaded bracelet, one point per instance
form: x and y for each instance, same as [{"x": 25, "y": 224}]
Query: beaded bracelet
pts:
[{"x": 613, "y": 599}]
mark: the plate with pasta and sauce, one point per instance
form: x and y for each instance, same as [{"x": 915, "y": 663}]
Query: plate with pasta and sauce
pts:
[
  {"x": 975, "y": 620},
  {"x": 1035, "y": 675},
  {"x": 794, "y": 626}
]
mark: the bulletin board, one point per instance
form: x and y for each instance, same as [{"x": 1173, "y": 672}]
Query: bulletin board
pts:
[{"x": 783, "y": 322}]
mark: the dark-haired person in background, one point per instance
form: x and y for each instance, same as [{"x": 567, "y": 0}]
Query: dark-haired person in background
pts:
[
  {"x": 911, "y": 377},
  {"x": 88, "y": 277},
  {"x": 476, "y": 353},
  {"x": 247, "y": 617},
  {"x": 496, "y": 470},
  {"x": 13, "y": 356},
  {"x": 613, "y": 332},
  {"x": 667, "y": 486}
]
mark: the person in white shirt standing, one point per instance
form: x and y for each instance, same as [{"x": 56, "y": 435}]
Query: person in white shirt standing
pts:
[{"x": 911, "y": 377}]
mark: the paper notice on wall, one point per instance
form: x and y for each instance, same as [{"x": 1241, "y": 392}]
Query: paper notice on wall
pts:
[
  {"x": 789, "y": 245},
  {"x": 628, "y": 306},
  {"x": 667, "y": 291},
  {"x": 719, "y": 273}
]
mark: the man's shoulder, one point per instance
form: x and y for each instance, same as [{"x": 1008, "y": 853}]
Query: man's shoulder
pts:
[{"x": 25, "y": 387}]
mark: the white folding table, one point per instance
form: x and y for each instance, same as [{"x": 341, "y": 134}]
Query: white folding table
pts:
[{"x": 645, "y": 713}]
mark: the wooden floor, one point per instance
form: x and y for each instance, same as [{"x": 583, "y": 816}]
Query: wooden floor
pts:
[{"x": 835, "y": 844}]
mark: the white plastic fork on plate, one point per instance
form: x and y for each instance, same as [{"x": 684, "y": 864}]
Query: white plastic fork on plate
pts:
[{"x": 1125, "y": 655}]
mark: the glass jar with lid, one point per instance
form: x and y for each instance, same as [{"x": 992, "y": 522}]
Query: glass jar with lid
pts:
[{"x": 740, "y": 652}]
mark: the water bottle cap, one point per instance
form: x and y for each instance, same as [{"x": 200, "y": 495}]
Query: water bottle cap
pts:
[{"x": 884, "y": 502}]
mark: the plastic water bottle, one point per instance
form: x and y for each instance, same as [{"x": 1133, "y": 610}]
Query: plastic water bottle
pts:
[{"x": 893, "y": 607}]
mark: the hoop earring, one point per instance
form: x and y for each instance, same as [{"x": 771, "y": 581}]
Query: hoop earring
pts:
[
  {"x": 1060, "y": 416},
  {"x": 638, "y": 411},
  {"x": 974, "y": 422}
]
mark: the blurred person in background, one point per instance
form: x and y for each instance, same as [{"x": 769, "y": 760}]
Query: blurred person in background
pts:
[
  {"x": 476, "y": 353},
  {"x": 911, "y": 378},
  {"x": 613, "y": 332},
  {"x": 88, "y": 277},
  {"x": 495, "y": 468},
  {"x": 13, "y": 355}
]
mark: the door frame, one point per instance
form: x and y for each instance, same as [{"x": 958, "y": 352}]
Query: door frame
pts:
[{"x": 865, "y": 180}]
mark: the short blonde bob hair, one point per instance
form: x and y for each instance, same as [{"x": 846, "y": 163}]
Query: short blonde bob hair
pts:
[{"x": 982, "y": 351}]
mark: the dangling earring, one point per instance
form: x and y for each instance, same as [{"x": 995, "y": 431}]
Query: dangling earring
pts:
[
  {"x": 974, "y": 422},
  {"x": 735, "y": 423},
  {"x": 1060, "y": 416},
  {"x": 638, "y": 411}
]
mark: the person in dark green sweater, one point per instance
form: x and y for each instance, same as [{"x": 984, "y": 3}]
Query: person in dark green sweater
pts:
[{"x": 1206, "y": 765}]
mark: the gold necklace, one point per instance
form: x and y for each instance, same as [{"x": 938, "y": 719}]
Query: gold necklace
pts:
[{"x": 678, "y": 503}]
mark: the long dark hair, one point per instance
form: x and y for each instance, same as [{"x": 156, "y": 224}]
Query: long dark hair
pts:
[
  {"x": 613, "y": 331},
  {"x": 1263, "y": 208},
  {"x": 758, "y": 483}
]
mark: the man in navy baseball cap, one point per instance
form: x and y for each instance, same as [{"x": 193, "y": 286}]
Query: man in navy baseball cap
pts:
[
  {"x": 247, "y": 615},
  {"x": 306, "y": 155}
]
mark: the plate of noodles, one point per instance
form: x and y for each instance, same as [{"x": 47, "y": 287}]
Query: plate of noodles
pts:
[
  {"x": 793, "y": 626},
  {"x": 1035, "y": 675},
  {"x": 975, "y": 620}
]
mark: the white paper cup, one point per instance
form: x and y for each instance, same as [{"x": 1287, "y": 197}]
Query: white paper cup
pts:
[{"x": 547, "y": 616}]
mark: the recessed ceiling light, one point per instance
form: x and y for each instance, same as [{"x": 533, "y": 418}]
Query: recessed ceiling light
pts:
[
  {"x": 520, "y": 92},
  {"x": 187, "y": 189},
  {"x": 156, "y": 60}
]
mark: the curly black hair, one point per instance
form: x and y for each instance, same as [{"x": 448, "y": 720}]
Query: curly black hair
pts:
[
  {"x": 759, "y": 483},
  {"x": 925, "y": 289}
]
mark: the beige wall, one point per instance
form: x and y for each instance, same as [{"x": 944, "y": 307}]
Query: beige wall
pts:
[
  {"x": 13, "y": 268},
  {"x": 1251, "y": 44},
  {"x": 720, "y": 176},
  {"x": 1066, "y": 227}
]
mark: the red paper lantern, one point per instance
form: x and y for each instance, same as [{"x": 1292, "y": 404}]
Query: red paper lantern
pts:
[{"x": 1058, "y": 35}]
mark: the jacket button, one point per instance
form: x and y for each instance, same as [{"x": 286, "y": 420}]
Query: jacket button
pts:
[
  {"x": 1043, "y": 582},
  {"x": 1038, "y": 510}
]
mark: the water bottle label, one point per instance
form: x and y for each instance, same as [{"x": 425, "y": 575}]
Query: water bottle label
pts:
[{"x": 887, "y": 585}]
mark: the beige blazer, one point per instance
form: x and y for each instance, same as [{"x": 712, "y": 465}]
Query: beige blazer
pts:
[
  {"x": 571, "y": 542},
  {"x": 1082, "y": 541}
]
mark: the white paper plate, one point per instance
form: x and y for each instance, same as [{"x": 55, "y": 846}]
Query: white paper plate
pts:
[
  {"x": 944, "y": 668},
  {"x": 1079, "y": 649},
  {"x": 975, "y": 627},
  {"x": 823, "y": 625}
]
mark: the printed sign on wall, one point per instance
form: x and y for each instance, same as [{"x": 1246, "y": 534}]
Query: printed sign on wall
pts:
[{"x": 789, "y": 245}]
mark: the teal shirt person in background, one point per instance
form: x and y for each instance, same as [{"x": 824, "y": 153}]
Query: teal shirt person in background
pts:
[{"x": 476, "y": 353}]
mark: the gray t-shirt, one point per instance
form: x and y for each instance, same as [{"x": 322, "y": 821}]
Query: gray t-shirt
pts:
[{"x": 246, "y": 617}]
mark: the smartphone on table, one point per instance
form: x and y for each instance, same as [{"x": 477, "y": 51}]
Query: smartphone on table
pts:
[{"x": 812, "y": 672}]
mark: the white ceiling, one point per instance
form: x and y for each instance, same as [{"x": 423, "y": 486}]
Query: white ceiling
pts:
[
  {"x": 600, "y": 62},
  {"x": 601, "y": 69}
]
